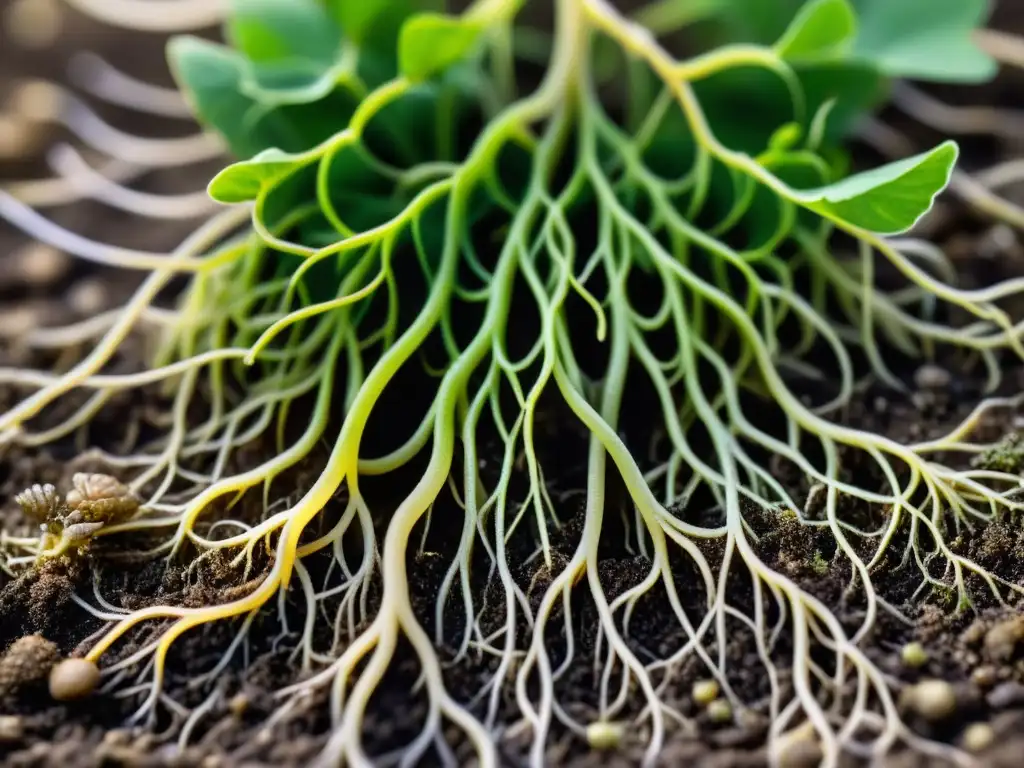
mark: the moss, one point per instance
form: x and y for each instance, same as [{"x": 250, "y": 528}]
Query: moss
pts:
[
  {"x": 819, "y": 564},
  {"x": 1005, "y": 456}
]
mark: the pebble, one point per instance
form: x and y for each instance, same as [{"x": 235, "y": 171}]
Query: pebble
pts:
[
  {"x": 12, "y": 728},
  {"x": 87, "y": 297},
  {"x": 802, "y": 753},
  {"x": 36, "y": 101},
  {"x": 117, "y": 737},
  {"x": 1006, "y": 695},
  {"x": 18, "y": 321},
  {"x": 33, "y": 23},
  {"x": 74, "y": 679},
  {"x": 985, "y": 676},
  {"x": 41, "y": 265},
  {"x": 974, "y": 634},
  {"x": 16, "y": 139},
  {"x": 1002, "y": 640},
  {"x": 932, "y": 377},
  {"x": 934, "y": 700},
  {"x": 238, "y": 704},
  {"x": 977, "y": 737}
]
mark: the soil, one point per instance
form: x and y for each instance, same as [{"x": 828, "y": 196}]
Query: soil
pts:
[{"x": 973, "y": 651}]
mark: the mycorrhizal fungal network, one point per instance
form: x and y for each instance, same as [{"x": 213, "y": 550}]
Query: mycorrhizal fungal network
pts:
[{"x": 524, "y": 224}]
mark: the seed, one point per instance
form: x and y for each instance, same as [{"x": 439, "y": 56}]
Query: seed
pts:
[
  {"x": 720, "y": 711},
  {"x": 914, "y": 655},
  {"x": 74, "y": 679},
  {"x": 11, "y": 728},
  {"x": 931, "y": 377},
  {"x": 934, "y": 700},
  {"x": 238, "y": 704},
  {"x": 604, "y": 735},
  {"x": 977, "y": 737},
  {"x": 704, "y": 692}
]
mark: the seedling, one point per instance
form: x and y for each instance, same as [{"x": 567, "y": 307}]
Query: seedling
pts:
[{"x": 404, "y": 184}]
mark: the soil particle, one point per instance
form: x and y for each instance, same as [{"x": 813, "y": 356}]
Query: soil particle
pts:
[
  {"x": 932, "y": 377},
  {"x": 803, "y": 753},
  {"x": 28, "y": 661},
  {"x": 1006, "y": 695},
  {"x": 1001, "y": 641},
  {"x": 932, "y": 700},
  {"x": 12, "y": 728}
]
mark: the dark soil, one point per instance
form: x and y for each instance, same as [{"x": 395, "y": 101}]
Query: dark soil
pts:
[{"x": 976, "y": 652}]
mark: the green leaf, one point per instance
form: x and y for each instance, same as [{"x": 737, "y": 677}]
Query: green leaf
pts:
[
  {"x": 243, "y": 181},
  {"x": 217, "y": 83},
  {"x": 822, "y": 29},
  {"x": 890, "y": 199},
  {"x": 209, "y": 76},
  {"x": 786, "y": 137},
  {"x": 282, "y": 30},
  {"x": 357, "y": 17},
  {"x": 431, "y": 42},
  {"x": 924, "y": 39}
]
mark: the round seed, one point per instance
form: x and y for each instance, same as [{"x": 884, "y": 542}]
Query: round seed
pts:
[
  {"x": 914, "y": 655},
  {"x": 704, "y": 692},
  {"x": 74, "y": 679}
]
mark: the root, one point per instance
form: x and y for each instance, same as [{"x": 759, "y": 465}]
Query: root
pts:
[{"x": 248, "y": 342}]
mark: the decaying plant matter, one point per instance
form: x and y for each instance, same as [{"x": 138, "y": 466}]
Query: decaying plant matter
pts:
[{"x": 412, "y": 187}]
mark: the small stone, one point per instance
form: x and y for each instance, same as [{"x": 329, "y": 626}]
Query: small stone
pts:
[
  {"x": 16, "y": 322},
  {"x": 934, "y": 700},
  {"x": 720, "y": 712},
  {"x": 12, "y": 728},
  {"x": 985, "y": 677},
  {"x": 1002, "y": 640},
  {"x": 1006, "y": 695},
  {"x": 604, "y": 736},
  {"x": 704, "y": 692},
  {"x": 40, "y": 264},
  {"x": 914, "y": 655},
  {"x": 33, "y": 23},
  {"x": 118, "y": 737},
  {"x": 932, "y": 377},
  {"x": 238, "y": 704},
  {"x": 16, "y": 140},
  {"x": 974, "y": 634},
  {"x": 36, "y": 101},
  {"x": 801, "y": 753},
  {"x": 87, "y": 297},
  {"x": 74, "y": 679},
  {"x": 977, "y": 737}
]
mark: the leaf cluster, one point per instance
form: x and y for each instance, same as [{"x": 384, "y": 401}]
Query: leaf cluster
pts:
[{"x": 358, "y": 92}]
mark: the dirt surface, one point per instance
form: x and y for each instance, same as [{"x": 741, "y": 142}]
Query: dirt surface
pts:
[{"x": 975, "y": 652}]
